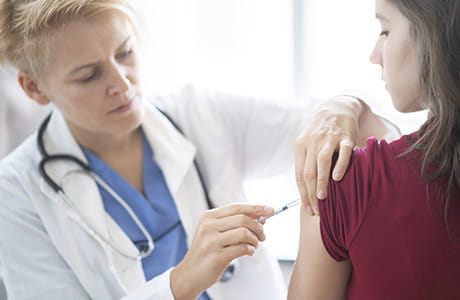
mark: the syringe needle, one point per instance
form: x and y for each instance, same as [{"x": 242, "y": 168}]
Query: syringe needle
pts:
[{"x": 281, "y": 209}]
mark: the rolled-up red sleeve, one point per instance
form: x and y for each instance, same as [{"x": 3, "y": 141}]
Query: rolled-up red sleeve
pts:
[{"x": 343, "y": 210}]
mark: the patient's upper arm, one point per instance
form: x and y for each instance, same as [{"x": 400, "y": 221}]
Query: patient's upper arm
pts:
[{"x": 316, "y": 274}]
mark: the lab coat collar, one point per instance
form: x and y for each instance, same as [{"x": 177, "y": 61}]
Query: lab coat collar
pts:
[
  {"x": 175, "y": 156},
  {"x": 58, "y": 139},
  {"x": 172, "y": 151},
  {"x": 80, "y": 188}
]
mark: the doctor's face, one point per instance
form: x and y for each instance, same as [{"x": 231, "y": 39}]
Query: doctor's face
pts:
[
  {"x": 92, "y": 77},
  {"x": 397, "y": 54}
]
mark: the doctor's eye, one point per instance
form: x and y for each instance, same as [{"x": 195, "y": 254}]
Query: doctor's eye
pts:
[
  {"x": 90, "y": 77},
  {"x": 124, "y": 54},
  {"x": 384, "y": 33}
]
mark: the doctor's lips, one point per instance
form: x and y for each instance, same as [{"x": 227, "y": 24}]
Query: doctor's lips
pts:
[{"x": 124, "y": 107}]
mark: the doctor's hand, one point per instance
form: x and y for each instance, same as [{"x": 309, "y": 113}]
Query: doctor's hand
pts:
[
  {"x": 334, "y": 127},
  {"x": 338, "y": 125},
  {"x": 223, "y": 234}
]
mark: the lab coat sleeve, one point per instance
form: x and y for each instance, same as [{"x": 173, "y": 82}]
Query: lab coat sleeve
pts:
[
  {"x": 159, "y": 288},
  {"x": 259, "y": 134},
  {"x": 263, "y": 133},
  {"x": 31, "y": 273}
]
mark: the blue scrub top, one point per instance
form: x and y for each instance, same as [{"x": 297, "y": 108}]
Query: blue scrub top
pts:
[{"x": 156, "y": 211}]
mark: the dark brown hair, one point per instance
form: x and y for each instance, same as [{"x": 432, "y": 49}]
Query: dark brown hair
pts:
[{"x": 435, "y": 27}]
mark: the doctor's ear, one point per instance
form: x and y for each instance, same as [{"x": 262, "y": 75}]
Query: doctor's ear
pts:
[{"x": 30, "y": 86}]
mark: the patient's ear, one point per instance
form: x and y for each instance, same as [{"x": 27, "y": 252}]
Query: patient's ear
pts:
[{"x": 30, "y": 86}]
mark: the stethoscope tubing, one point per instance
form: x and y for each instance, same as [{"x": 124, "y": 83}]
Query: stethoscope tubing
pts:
[
  {"x": 85, "y": 168},
  {"x": 47, "y": 158}
]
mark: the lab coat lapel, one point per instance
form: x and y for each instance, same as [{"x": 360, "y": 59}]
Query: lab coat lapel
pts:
[
  {"x": 175, "y": 155},
  {"x": 80, "y": 188}
]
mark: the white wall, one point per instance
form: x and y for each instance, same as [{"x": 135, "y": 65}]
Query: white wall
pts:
[
  {"x": 238, "y": 46},
  {"x": 252, "y": 47},
  {"x": 339, "y": 38},
  {"x": 19, "y": 116}
]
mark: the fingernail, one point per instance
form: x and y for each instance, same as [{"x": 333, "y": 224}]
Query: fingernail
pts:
[
  {"x": 336, "y": 175},
  {"x": 316, "y": 210},
  {"x": 321, "y": 194},
  {"x": 309, "y": 211},
  {"x": 268, "y": 209}
]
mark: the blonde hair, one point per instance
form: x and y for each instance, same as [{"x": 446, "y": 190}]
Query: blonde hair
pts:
[{"x": 26, "y": 26}]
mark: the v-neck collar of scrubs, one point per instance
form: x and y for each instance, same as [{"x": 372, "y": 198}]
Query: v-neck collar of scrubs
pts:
[{"x": 156, "y": 211}]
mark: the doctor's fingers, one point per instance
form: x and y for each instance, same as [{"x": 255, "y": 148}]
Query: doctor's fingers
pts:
[
  {"x": 307, "y": 148},
  {"x": 345, "y": 151},
  {"x": 316, "y": 170},
  {"x": 237, "y": 236},
  {"x": 218, "y": 260},
  {"x": 238, "y": 250},
  {"x": 241, "y": 221},
  {"x": 211, "y": 228},
  {"x": 309, "y": 174},
  {"x": 250, "y": 210},
  {"x": 300, "y": 155},
  {"x": 321, "y": 168}
]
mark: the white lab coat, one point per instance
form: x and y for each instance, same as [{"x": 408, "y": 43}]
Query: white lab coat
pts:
[{"x": 49, "y": 254}]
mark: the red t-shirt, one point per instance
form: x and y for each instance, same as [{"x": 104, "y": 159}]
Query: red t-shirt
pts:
[{"x": 389, "y": 223}]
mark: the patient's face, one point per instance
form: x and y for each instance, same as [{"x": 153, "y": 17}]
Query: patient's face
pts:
[{"x": 396, "y": 52}]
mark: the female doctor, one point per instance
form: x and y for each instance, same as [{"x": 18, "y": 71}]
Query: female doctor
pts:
[{"x": 109, "y": 199}]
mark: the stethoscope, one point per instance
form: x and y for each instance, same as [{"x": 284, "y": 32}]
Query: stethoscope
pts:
[{"x": 147, "y": 249}]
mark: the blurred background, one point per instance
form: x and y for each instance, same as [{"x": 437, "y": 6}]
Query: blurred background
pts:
[{"x": 284, "y": 50}]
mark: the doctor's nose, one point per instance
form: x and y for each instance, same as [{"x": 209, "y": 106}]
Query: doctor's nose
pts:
[{"x": 120, "y": 81}]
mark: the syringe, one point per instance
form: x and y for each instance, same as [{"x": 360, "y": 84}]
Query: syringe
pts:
[{"x": 281, "y": 209}]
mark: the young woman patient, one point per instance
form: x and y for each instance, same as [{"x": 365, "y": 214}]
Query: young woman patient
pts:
[{"x": 390, "y": 229}]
